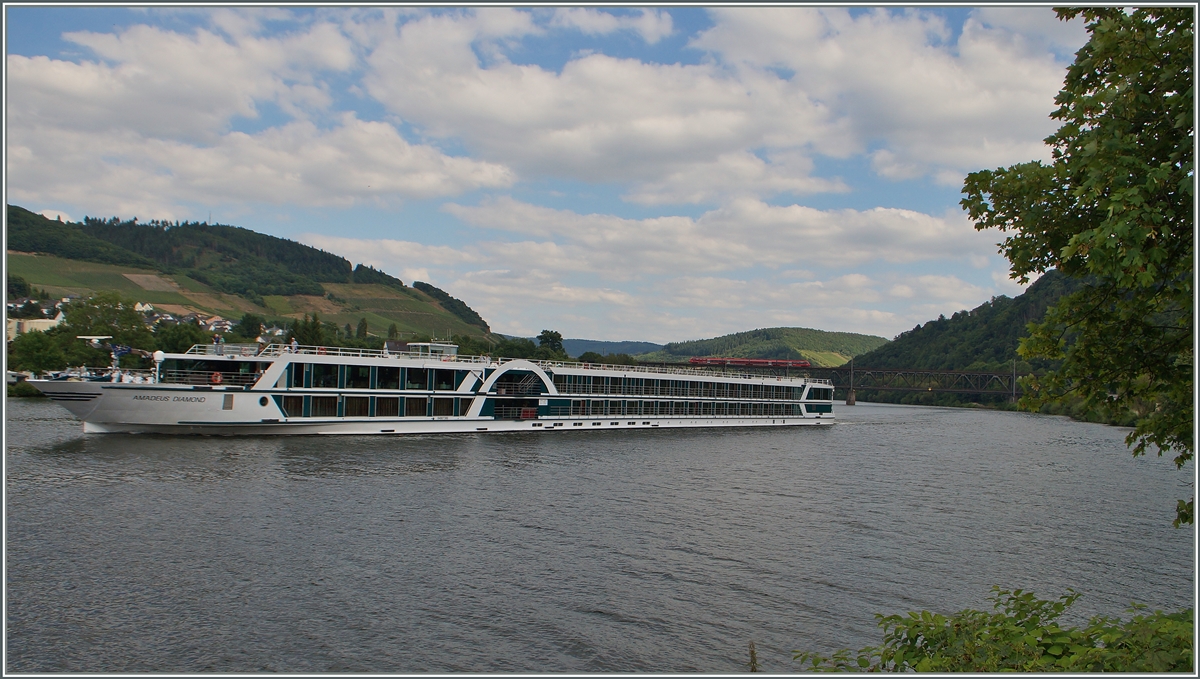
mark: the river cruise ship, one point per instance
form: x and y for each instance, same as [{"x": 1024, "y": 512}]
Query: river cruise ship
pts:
[{"x": 231, "y": 389}]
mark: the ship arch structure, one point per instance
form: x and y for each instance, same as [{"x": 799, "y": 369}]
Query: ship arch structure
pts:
[{"x": 489, "y": 391}]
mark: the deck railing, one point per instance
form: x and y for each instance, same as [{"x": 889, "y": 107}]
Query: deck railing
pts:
[
  {"x": 206, "y": 377},
  {"x": 104, "y": 374},
  {"x": 276, "y": 350},
  {"x": 225, "y": 349}
]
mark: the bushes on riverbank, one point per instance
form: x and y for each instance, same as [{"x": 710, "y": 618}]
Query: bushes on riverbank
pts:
[
  {"x": 1022, "y": 634},
  {"x": 23, "y": 389}
]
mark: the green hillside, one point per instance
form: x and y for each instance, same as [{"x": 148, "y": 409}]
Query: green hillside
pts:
[
  {"x": 984, "y": 338},
  {"x": 822, "y": 348},
  {"x": 31, "y": 232},
  {"x": 226, "y": 270}
]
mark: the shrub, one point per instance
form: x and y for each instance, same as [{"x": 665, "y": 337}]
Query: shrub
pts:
[{"x": 1021, "y": 635}]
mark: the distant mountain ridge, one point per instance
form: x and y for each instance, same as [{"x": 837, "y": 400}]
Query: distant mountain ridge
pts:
[
  {"x": 575, "y": 347},
  {"x": 823, "y": 348}
]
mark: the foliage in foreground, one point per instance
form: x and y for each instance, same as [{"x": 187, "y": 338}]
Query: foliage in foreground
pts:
[
  {"x": 1116, "y": 207},
  {"x": 1022, "y": 634}
]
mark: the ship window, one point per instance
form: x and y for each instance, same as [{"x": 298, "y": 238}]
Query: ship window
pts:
[
  {"x": 820, "y": 394},
  {"x": 819, "y": 407},
  {"x": 443, "y": 407},
  {"x": 325, "y": 406},
  {"x": 387, "y": 407},
  {"x": 293, "y": 406},
  {"x": 387, "y": 378},
  {"x": 357, "y": 406},
  {"x": 416, "y": 407},
  {"x": 324, "y": 376},
  {"x": 298, "y": 374},
  {"x": 444, "y": 380},
  {"x": 416, "y": 378},
  {"x": 227, "y": 404},
  {"x": 358, "y": 377}
]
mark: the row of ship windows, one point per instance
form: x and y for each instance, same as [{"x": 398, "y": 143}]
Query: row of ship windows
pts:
[
  {"x": 366, "y": 406},
  {"x": 326, "y": 376},
  {"x": 383, "y": 406},
  {"x": 329, "y": 376},
  {"x": 698, "y": 408},
  {"x": 643, "y": 386}
]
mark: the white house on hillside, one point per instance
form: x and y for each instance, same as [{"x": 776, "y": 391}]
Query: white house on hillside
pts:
[{"x": 20, "y": 326}]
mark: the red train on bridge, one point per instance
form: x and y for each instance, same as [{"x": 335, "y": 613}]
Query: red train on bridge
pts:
[{"x": 749, "y": 362}]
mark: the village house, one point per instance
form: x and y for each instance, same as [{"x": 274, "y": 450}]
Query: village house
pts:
[{"x": 20, "y": 326}]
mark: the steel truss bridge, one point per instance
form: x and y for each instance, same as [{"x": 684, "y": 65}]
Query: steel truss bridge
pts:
[
  {"x": 944, "y": 381},
  {"x": 848, "y": 377}
]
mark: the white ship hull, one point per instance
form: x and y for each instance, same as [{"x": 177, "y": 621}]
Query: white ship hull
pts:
[{"x": 313, "y": 391}]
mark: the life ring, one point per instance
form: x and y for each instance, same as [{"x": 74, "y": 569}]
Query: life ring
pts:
[
  {"x": 216, "y": 378},
  {"x": 320, "y": 351}
]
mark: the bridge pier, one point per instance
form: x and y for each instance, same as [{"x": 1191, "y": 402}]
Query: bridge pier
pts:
[{"x": 850, "y": 397}]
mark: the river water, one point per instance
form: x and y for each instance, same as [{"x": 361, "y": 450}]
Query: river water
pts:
[{"x": 607, "y": 551}]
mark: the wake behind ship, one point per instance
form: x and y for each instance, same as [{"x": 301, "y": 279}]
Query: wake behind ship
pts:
[{"x": 232, "y": 389}]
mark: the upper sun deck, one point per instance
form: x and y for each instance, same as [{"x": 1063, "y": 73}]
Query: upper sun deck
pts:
[{"x": 428, "y": 351}]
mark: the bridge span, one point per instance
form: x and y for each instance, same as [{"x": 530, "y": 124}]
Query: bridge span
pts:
[{"x": 848, "y": 379}]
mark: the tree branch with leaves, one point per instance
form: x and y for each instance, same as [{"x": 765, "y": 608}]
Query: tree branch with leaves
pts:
[{"x": 1116, "y": 209}]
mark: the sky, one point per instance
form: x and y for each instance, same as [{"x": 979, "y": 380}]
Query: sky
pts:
[{"x": 611, "y": 173}]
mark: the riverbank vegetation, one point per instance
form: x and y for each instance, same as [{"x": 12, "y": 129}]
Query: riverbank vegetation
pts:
[{"x": 1021, "y": 634}]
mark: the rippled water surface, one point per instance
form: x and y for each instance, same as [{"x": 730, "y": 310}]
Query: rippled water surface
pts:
[{"x": 562, "y": 551}]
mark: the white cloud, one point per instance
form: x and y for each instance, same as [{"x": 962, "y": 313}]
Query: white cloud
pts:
[
  {"x": 390, "y": 255},
  {"x": 652, "y": 25},
  {"x": 738, "y": 174},
  {"x": 524, "y": 286},
  {"x": 1006, "y": 285},
  {"x": 146, "y": 128},
  {"x": 296, "y": 164},
  {"x": 745, "y": 233},
  {"x": 57, "y": 215},
  {"x": 600, "y": 119},
  {"x": 793, "y": 82},
  {"x": 1039, "y": 30},
  {"x": 163, "y": 83},
  {"x": 938, "y": 108}
]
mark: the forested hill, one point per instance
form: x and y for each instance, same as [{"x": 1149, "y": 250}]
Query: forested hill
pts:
[
  {"x": 229, "y": 259},
  {"x": 190, "y": 245},
  {"x": 984, "y": 338},
  {"x": 454, "y": 305},
  {"x": 819, "y": 346},
  {"x": 31, "y": 232}
]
